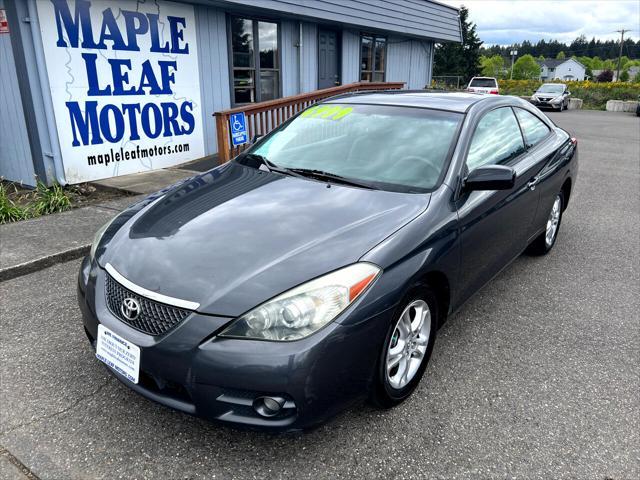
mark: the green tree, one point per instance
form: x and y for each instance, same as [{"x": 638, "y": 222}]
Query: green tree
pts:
[
  {"x": 460, "y": 58},
  {"x": 541, "y": 58},
  {"x": 596, "y": 63},
  {"x": 526, "y": 68},
  {"x": 624, "y": 76},
  {"x": 630, "y": 63},
  {"x": 561, "y": 55},
  {"x": 586, "y": 61},
  {"x": 492, "y": 66}
]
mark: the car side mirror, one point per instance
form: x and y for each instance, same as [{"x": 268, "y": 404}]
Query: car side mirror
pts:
[{"x": 490, "y": 177}]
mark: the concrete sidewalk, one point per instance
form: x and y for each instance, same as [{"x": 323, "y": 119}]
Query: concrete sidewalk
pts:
[
  {"x": 146, "y": 182},
  {"x": 154, "y": 180},
  {"x": 38, "y": 243}
]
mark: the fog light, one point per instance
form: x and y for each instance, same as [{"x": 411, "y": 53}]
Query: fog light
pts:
[{"x": 268, "y": 406}]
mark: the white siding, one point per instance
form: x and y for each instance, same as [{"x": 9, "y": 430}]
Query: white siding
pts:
[
  {"x": 309, "y": 81},
  {"x": 289, "y": 65},
  {"x": 419, "y": 18},
  {"x": 569, "y": 68},
  {"x": 16, "y": 162},
  {"x": 350, "y": 56},
  {"x": 409, "y": 61},
  {"x": 214, "y": 69}
]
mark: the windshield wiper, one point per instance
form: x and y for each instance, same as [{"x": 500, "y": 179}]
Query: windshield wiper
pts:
[
  {"x": 322, "y": 175},
  {"x": 270, "y": 165}
]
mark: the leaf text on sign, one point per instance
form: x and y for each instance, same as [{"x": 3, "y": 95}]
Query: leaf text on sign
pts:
[{"x": 93, "y": 123}]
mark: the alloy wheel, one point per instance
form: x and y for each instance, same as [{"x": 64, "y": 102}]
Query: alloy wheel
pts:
[
  {"x": 408, "y": 344},
  {"x": 553, "y": 221}
]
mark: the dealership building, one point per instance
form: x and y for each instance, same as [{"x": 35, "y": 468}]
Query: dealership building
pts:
[{"x": 93, "y": 89}]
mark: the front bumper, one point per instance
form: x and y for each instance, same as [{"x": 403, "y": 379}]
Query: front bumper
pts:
[
  {"x": 547, "y": 103},
  {"x": 192, "y": 370}
]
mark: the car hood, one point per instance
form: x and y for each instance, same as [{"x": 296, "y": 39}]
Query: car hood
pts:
[{"x": 234, "y": 237}]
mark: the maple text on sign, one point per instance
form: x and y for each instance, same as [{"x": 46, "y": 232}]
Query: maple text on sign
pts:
[
  {"x": 125, "y": 84},
  {"x": 92, "y": 124}
]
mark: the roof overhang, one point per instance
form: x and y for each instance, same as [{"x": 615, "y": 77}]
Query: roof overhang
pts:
[{"x": 423, "y": 19}]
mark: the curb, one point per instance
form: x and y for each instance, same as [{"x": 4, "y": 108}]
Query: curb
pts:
[{"x": 44, "y": 262}]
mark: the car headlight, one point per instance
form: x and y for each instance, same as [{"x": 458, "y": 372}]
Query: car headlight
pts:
[
  {"x": 307, "y": 308},
  {"x": 98, "y": 236}
]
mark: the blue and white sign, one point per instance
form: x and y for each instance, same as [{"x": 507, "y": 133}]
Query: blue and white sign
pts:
[
  {"x": 238, "y": 125},
  {"x": 124, "y": 84}
]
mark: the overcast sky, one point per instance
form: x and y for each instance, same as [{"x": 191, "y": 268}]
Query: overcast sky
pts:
[{"x": 504, "y": 22}]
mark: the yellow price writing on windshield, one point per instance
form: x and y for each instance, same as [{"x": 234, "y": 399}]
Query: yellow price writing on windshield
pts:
[{"x": 332, "y": 112}]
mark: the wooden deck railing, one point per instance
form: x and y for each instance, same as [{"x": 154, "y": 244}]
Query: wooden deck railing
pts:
[{"x": 263, "y": 117}]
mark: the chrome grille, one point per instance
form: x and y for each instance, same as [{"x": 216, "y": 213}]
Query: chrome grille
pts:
[{"x": 155, "y": 318}]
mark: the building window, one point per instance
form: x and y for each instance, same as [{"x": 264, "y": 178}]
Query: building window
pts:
[
  {"x": 255, "y": 60},
  {"x": 373, "y": 51}
]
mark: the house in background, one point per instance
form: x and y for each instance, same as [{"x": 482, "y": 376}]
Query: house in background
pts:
[{"x": 564, "y": 69}]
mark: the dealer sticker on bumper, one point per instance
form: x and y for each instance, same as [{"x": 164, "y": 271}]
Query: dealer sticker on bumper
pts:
[{"x": 119, "y": 354}]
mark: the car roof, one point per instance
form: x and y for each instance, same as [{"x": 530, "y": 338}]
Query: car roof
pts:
[{"x": 450, "y": 101}]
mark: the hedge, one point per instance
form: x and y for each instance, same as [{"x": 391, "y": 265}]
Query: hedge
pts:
[{"x": 593, "y": 94}]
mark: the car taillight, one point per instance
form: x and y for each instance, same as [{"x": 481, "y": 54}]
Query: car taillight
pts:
[
  {"x": 574, "y": 141},
  {"x": 493, "y": 92}
]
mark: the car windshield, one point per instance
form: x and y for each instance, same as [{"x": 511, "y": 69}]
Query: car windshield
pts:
[
  {"x": 392, "y": 148},
  {"x": 483, "y": 82},
  {"x": 548, "y": 88}
]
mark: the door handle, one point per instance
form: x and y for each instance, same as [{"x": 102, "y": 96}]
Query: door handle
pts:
[{"x": 533, "y": 182}]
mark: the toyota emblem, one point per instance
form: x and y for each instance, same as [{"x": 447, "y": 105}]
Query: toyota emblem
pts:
[{"x": 130, "y": 308}]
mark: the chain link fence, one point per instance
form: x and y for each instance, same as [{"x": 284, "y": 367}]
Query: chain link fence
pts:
[{"x": 447, "y": 82}]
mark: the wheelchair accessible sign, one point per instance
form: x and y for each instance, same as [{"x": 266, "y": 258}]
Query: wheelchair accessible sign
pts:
[{"x": 238, "y": 124}]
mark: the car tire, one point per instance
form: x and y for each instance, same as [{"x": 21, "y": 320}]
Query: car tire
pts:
[
  {"x": 547, "y": 239},
  {"x": 391, "y": 386}
]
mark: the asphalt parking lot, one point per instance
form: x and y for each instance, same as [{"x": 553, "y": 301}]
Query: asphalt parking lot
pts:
[{"x": 538, "y": 376}]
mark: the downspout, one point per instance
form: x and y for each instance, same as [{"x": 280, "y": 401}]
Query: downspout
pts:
[
  {"x": 44, "y": 83},
  {"x": 432, "y": 48},
  {"x": 299, "y": 57}
]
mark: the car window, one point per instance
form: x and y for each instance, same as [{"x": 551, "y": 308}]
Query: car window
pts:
[
  {"x": 393, "y": 148},
  {"x": 496, "y": 140},
  {"x": 534, "y": 129},
  {"x": 483, "y": 82},
  {"x": 548, "y": 88}
]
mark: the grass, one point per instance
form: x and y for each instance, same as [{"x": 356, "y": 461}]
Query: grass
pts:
[
  {"x": 43, "y": 201},
  {"x": 50, "y": 199},
  {"x": 9, "y": 210}
]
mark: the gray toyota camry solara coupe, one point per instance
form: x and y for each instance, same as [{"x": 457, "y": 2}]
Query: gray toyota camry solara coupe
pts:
[{"x": 314, "y": 269}]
